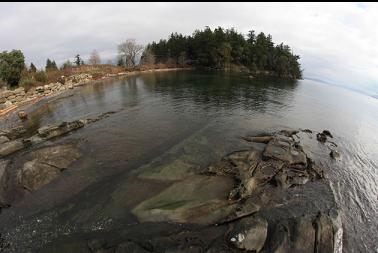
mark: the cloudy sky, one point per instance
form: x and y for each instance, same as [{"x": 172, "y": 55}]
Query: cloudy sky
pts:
[{"x": 337, "y": 42}]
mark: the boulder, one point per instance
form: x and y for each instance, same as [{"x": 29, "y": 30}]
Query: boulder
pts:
[
  {"x": 40, "y": 89},
  {"x": 249, "y": 234},
  {"x": 8, "y": 103}
]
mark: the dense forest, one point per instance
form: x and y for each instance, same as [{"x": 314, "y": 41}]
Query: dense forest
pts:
[{"x": 223, "y": 48}]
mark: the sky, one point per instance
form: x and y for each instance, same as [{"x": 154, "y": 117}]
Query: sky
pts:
[{"x": 337, "y": 42}]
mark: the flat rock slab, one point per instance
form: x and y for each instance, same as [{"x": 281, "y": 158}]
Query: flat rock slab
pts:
[{"x": 197, "y": 199}]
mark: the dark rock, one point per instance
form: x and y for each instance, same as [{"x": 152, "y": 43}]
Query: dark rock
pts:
[
  {"x": 3, "y": 182},
  {"x": 130, "y": 247},
  {"x": 321, "y": 137},
  {"x": 249, "y": 234},
  {"x": 327, "y": 133}
]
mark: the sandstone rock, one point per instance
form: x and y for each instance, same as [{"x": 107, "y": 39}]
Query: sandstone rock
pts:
[
  {"x": 14, "y": 132},
  {"x": 249, "y": 234}
]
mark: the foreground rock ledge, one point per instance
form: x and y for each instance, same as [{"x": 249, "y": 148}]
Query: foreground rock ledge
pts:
[{"x": 273, "y": 197}]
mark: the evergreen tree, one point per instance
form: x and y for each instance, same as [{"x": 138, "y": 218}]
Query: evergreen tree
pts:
[
  {"x": 219, "y": 48},
  {"x": 32, "y": 68},
  {"x": 78, "y": 60}
]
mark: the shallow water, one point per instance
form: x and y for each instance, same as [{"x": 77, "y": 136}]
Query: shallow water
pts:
[{"x": 193, "y": 118}]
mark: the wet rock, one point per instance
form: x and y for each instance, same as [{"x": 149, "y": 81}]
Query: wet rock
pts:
[
  {"x": 327, "y": 133},
  {"x": 48, "y": 132},
  {"x": 324, "y": 234},
  {"x": 45, "y": 165},
  {"x": 198, "y": 200},
  {"x": 287, "y": 178},
  {"x": 249, "y": 234},
  {"x": 22, "y": 115},
  {"x": 12, "y": 146},
  {"x": 259, "y": 139},
  {"x": 283, "y": 148},
  {"x": 14, "y": 132},
  {"x": 321, "y": 137},
  {"x": 334, "y": 154},
  {"x": 3, "y": 139},
  {"x": 34, "y": 175},
  {"x": 3, "y": 182},
  {"x": 130, "y": 247}
]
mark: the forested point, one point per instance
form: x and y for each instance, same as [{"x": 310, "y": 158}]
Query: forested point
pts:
[{"x": 226, "y": 49}]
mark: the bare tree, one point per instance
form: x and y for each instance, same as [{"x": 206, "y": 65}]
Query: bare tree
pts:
[
  {"x": 148, "y": 57},
  {"x": 129, "y": 50},
  {"x": 95, "y": 58}
]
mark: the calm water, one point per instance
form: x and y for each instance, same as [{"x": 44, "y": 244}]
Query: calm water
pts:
[{"x": 201, "y": 115}]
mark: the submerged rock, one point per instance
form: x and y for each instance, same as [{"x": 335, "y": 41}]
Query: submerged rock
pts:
[
  {"x": 197, "y": 199},
  {"x": 45, "y": 165}
]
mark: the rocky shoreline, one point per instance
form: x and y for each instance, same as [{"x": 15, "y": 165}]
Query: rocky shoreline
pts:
[
  {"x": 272, "y": 197},
  {"x": 11, "y": 100}
]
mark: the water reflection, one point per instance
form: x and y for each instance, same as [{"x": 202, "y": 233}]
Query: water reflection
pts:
[{"x": 161, "y": 109}]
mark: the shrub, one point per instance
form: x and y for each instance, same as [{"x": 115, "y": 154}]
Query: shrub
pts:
[
  {"x": 40, "y": 76},
  {"x": 2, "y": 84},
  {"x": 27, "y": 83},
  {"x": 11, "y": 66}
]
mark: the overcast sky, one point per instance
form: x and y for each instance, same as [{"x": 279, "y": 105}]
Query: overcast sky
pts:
[{"x": 337, "y": 42}]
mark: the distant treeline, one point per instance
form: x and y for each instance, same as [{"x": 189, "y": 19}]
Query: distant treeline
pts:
[{"x": 221, "y": 48}]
